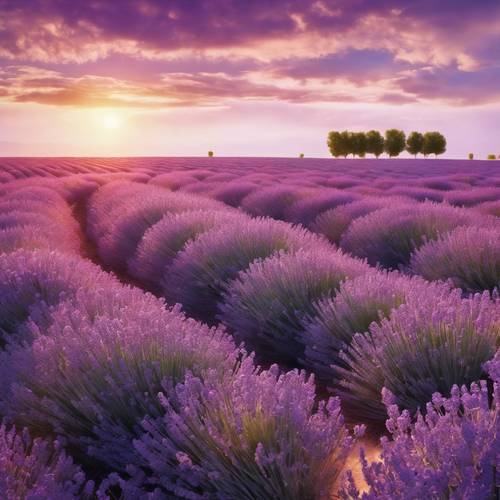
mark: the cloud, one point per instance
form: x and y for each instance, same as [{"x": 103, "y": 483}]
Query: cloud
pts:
[
  {"x": 453, "y": 86},
  {"x": 158, "y": 53},
  {"x": 81, "y": 30},
  {"x": 23, "y": 84},
  {"x": 357, "y": 66}
]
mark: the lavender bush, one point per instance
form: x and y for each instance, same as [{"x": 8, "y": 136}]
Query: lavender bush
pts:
[
  {"x": 417, "y": 193},
  {"x": 233, "y": 192},
  {"x": 489, "y": 208},
  {"x": 264, "y": 306},
  {"x": 389, "y": 236},
  {"x": 359, "y": 302},
  {"x": 471, "y": 197},
  {"x": 16, "y": 218},
  {"x": 37, "y": 469},
  {"x": 27, "y": 238},
  {"x": 199, "y": 274},
  {"x": 425, "y": 346},
  {"x": 121, "y": 242},
  {"x": 29, "y": 212},
  {"x": 110, "y": 199},
  {"x": 30, "y": 282},
  {"x": 174, "y": 180},
  {"x": 271, "y": 201},
  {"x": 451, "y": 452},
  {"x": 334, "y": 222},
  {"x": 164, "y": 240},
  {"x": 468, "y": 256},
  {"x": 95, "y": 372},
  {"x": 439, "y": 183},
  {"x": 256, "y": 435},
  {"x": 304, "y": 211}
]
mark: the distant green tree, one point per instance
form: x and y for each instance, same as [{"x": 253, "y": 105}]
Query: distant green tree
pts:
[
  {"x": 358, "y": 141},
  {"x": 210, "y": 154},
  {"x": 374, "y": 143},
  {"x": 492, "y": 157},
  {"x": 434, "y": 143},
  {"x": 471, "y": 156},
  {"x": 301, "y": 155},
  {"x": 340, "y": 143},
  {"x": 395, "y": 142},
  {"x": 414, "y": 143}
]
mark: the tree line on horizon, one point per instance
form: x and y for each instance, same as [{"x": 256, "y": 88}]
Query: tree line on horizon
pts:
[{"x": 394, "y": 142}]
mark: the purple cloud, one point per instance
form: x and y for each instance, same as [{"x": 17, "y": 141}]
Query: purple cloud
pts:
[
  {"x": 202, "y": 52},
  {"x": 358, "y": 66},
  {"x": 454, "y": 86}
]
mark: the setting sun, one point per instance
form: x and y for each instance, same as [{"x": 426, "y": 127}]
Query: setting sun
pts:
[{"x": 111, "y": 122}]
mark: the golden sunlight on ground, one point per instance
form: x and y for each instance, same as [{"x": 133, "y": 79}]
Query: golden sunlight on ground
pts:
[{"x": 372, "y": 449}]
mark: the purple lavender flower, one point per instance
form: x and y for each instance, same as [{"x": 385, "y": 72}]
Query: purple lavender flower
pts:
[
  {"x": 389, "y": 236},
  {"x": 468, "y": 256},
  {"x": 305, "y": 210},
  {"x": 471, "y": 197},
  {"x": 452, "y": 452},
  {"x": 28, "y": 213},
  {"x": 173, "y": 180},
  {"x": 272, "y": 201},
  {"x": 426, "y": 346},
  {"x": 201, "y": 272},
  {"x": 164, "y": 240},
  {"x": 334, "y": 222},
  {"x": 358, "y": 303},
  {"x": 31, "y": 282},
  {"x": 264, "y": 306},
  {"x": 233, "y": 192},
  {"x": 255, "y": 434},
  {"x": 27, "y": 238},
  {"x": 95, "y": 372},
  {"x": 417, "y": 193},
  {"x": 439, "y": 183},
  {"x": 489, "y": 208},
  {"x": 37, "y": 469},
  {"x": 131, "y": 222},
  {"x": 110, "y": 202},
  {"x": 15, "y": 218}
]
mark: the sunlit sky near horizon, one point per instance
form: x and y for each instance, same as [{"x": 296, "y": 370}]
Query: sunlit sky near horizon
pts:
[{"x": 244, "y": 78}]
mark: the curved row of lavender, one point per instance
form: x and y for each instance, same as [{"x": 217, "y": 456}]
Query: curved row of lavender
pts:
[
  {"x": 280, "y": 289},
  {"x": 330, "y": 196},
  {"x": 108, "y": 375},
  {"x": 296, "y": 300}
]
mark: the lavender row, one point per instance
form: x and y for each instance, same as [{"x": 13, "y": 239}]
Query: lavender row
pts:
[
  {"x": 436, "y": 175},
  {"x": 274, "y": 305},
  {"x": 83, "y": 361},
  {"x": 33, "y": 216},
  {"x": 294, "y": 299},
  {"x": 116, "y": 325}
]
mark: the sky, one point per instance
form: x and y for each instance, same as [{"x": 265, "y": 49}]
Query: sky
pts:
[{"x": 244, "y": 77}]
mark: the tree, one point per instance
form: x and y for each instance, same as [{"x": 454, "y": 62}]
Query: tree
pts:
[
  {"x": 210, "y": 154},
  {"x": 395, "y": 141},
  {"x": 301, "y": 155},
  {"x": 491, "y": 157},
  {"x": 358, "y": 141},
  {"x": 340, "y": 143},
  {"x": 471, "y": 156},
  {"x": 374, "y": 143},
  {"x": 414, "y": 143},
  {"x": 434, "y": 143}
]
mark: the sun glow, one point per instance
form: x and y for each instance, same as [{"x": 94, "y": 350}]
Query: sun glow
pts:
[{"x": 111, "y": 122}]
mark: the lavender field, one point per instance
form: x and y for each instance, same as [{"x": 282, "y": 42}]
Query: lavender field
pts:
[{"x": 249, "y": 328}]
